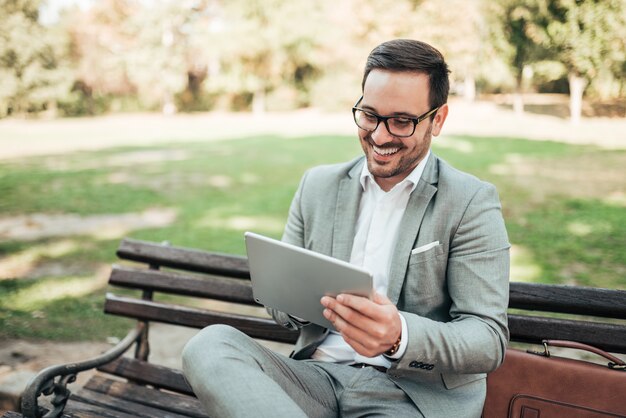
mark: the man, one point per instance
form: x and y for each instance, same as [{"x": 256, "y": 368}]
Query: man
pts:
[{"x": 435, "y": 241}]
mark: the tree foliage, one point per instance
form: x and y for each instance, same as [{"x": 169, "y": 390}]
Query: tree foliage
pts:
[
  {"x": 573, "y": 38},
  {"x": 583, "y": 35},
  {"x": 32, "y": 74},
  {"x": 261, "y": 46},
  {"x": 281, "y": 54}
]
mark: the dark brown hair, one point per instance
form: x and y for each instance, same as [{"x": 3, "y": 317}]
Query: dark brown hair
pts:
[{"x": 407, "y": 55}]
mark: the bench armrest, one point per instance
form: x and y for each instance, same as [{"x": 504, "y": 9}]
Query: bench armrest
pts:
[{"x": 44, "y": 382}]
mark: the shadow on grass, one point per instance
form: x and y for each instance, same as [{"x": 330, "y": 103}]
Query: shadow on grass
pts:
[{"x": 26, "y": 313}]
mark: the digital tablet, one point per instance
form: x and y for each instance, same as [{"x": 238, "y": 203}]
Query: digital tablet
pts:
[{"x": 293, "y": 279}]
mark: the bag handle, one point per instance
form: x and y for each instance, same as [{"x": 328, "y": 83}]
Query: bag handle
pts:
[{"x": 614, "y": 362}]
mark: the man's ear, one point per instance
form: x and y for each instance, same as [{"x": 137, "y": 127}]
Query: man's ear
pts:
[{"x": 440, "y": 118}]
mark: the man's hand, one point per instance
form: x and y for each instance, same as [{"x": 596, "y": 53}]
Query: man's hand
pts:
[{"x": 371, "y": 327}]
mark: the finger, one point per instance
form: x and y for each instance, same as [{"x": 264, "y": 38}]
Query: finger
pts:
[
  {"x": 358, "y": 337},
  {"x": 350, "y": 315},
  {"x": 360, "y": 304},
  {"x": 381, "y": 299},
  {"x": 377, "y": 312},
  {"x": 383, "y": 327},
  {"x": 335, "y": 310},
  {"x": 326, "y": 300},
  {"x": 356, "y": 326}
]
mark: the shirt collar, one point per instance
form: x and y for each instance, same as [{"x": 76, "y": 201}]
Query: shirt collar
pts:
[{"x": 413, "y": 177}]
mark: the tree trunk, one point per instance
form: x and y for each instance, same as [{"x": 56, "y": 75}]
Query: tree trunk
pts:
[
  {"x": 169, "y": 107},
  {"x": 577, "y": 86},
  {"x": 258, "y": 102},
  {"x": 518, "y": 99},
  {"x": 469, "y": 91},
  {"x": 518, "y": 103},
  {"x": 52, "y": 111},
  {"x": 518, "y": 96}
]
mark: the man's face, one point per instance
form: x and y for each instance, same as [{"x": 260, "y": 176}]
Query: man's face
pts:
[{"x": 390, "y": 159}]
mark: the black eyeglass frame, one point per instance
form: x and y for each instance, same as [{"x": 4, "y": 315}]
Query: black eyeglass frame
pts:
[{"x": 384, "y": 119}]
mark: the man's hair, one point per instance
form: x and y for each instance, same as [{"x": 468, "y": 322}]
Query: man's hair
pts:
[{"x": 407, "y": 55}]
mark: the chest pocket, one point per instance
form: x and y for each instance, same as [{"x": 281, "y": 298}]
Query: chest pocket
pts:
[
  {"x": 423, "y": 256},
  {"x": 424, "y": 291}
]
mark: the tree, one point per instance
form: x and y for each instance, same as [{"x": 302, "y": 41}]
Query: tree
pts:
[
  {"x": 465, "y": 46},
  {"x": 98, "y": 50},
  {"x": 585, "y": 36},
  {"x": 161, "y": 61},
  {"x": 515, "y": 34},
  {"x": 32, "y": 74},
  {"x": 262, "y": 46},
  {"x": 140, "y": 49},
  {"x": 351, "y": 29}
]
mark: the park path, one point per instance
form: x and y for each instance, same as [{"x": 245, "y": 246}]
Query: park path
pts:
[{"x": 23, "y": 138}]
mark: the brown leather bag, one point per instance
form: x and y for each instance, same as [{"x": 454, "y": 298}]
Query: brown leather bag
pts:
[{"x": 538, "y": 385}]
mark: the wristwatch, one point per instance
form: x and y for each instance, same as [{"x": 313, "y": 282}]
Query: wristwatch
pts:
[{"x": 394, "y": 348}]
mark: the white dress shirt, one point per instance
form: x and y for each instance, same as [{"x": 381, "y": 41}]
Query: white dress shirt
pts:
[{"x": 379, "y": 217}]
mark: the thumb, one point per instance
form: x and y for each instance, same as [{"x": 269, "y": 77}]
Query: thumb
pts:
[{"x": 381, "y": 299}]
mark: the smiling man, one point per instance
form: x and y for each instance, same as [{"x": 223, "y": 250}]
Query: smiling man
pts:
[{"x": 433, "y": 238}]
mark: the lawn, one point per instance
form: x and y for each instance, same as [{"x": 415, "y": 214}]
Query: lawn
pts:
[{"x": 563, "y": 206}]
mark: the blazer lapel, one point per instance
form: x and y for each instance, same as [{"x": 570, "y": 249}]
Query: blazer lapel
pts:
[
  {"x": 410, "y": 225},
  {"x": 346, "y": 212}
]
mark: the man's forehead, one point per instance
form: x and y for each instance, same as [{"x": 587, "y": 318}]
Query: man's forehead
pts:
[
  {"x": 378, "y": 73},
  {"x": 396, "y": 91}
]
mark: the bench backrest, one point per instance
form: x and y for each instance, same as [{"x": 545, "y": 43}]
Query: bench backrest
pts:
[
  {"x": 537, "y": 311},
  {"x": 187, "y": 272},
  {"x": 587, "y": 315}
]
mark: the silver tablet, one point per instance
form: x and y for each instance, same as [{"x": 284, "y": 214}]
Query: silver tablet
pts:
[{"x": 293, "y": 279}]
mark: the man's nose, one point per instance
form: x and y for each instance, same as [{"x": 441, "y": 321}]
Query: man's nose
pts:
[{"x": 381, "y": 134}]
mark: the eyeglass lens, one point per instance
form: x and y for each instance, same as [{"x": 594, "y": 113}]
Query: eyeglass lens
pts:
[{"x": 396, "y": 126}]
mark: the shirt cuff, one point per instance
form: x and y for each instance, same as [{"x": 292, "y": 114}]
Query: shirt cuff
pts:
[{"x": 404, "y": 339}]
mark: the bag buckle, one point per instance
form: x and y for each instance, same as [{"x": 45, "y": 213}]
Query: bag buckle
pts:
[{"x": 545, "y": 353}]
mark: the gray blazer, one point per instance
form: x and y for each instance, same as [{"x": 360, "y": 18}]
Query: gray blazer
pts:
[{"x": 454, "y": 296}]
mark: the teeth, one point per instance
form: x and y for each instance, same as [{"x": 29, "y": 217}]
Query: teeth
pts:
[{"x": 385, "y": 151}]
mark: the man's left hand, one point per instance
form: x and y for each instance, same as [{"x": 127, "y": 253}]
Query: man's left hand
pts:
[{"x": 371, "y": 327}]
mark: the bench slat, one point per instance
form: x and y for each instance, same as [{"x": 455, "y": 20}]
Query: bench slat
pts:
[
  {"x": 255, "y": 327},
  {"x": 125, "y": 406},
  {"x": 148, "y": 373},
  {"x": 185, "y": 405},
  {"x": 580, "y": 300},
  {"x": 238, "y": 291},
  {"x": 76, "y": 408},
  {"x": 609, "y": 337},
  {"x": 184, "y": 258}
]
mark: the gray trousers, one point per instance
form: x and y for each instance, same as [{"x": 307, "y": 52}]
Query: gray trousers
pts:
[{"x": 234, "y": 376}]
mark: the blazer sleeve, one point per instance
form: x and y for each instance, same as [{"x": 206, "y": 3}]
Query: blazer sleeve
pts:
[{"x": 477, "y": 280}]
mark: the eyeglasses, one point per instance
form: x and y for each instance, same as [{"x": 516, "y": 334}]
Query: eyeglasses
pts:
[{"x": 399, "y": 126}]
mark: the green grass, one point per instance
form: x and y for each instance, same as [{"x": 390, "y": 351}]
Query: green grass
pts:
[{"x": 563, "y": 205}]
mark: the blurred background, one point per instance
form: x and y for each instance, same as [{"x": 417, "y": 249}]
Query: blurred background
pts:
[
  {"x": 192, "y": 121},
  {"x": 88, "y": 57}
]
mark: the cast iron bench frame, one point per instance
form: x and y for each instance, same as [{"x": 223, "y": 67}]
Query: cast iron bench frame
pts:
[{"x": 132, "y": 386}]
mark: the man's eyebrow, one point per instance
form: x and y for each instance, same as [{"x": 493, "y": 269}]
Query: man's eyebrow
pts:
[{"x": 395, "y": 114}]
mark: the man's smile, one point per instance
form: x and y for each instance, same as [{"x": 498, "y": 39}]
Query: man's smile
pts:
[{"x": 385, "y": 151}]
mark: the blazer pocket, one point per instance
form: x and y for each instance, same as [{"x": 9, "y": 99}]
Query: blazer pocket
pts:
[
  {"x": 425, "y": 255},
  {"x": 424, "y": 248}
]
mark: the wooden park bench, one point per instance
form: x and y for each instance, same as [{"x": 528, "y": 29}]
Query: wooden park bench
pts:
[{"x": 130, "y": 385}]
